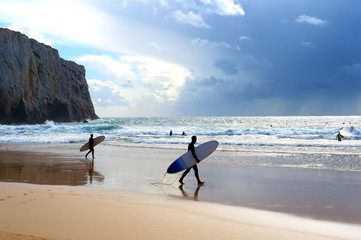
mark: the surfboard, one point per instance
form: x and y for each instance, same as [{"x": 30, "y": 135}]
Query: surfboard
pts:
[
  {"x": 187, "y": 160},
  {"x": 97, "y": 140}
]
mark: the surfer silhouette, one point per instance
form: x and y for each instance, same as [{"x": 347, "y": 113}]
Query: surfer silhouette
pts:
[
  {"x": 339, "y": 136},
  {"x": 171, "y": 133},
  {"x": 91, "y": 146},
  {"x": 195, "y": 168}
]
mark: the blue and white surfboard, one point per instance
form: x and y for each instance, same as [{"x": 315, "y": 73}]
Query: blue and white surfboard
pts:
[{"x": 187, "y": 160}]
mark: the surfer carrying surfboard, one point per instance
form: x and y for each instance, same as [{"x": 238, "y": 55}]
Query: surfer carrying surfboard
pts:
[
  {"x": 339, "y": 136},
  {"x": 91, "y": 146},
  {"x": 195, "y": 168}
]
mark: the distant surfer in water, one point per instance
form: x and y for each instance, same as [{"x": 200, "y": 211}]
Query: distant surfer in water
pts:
[
  {"x": 171, "y": 133},
  {"x": 91, "y": 146},
  {"x": 195, "y": 168},
  {"x": 339, "y": 136}
]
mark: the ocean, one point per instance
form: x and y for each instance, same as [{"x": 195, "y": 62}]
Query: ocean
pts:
[{"x": 303, "y": 142}]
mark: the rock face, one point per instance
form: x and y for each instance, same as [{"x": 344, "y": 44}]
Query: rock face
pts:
[{"x": 37, "y": 85}]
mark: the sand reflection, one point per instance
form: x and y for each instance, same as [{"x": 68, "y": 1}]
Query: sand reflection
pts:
[{"x": 44, "y": 168}]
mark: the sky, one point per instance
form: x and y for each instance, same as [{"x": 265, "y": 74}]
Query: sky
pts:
[{"x": 205, "y": 57}]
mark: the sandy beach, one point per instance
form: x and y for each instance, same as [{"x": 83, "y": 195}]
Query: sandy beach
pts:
[
  {"x": 63, "y": 212},
  {"x": 56, "y": 195}
]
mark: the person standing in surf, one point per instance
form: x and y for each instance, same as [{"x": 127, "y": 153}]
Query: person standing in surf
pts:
[
  {"x": 91, "y": 146},
  {"x": 195, "y": 168},
  {"x": 339, "y": 137}
]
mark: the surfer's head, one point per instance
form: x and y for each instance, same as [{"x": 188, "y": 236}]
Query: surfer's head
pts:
[
  {"x": 91, "y": 135},
  {"x": 194, "y": 139}
]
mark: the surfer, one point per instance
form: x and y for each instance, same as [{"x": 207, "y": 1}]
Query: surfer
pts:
[
  {"x": 184, "y": 134},
  {"x": 91, "y": 146},
  {"x": 195, "y": 168},
  {"x": 339, "y": 136},
  {"x": 171, "y": 133}
]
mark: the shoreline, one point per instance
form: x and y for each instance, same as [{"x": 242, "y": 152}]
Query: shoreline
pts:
[
  {"x": 281, "y": 194},
  {"x": 329, "y": 195}
]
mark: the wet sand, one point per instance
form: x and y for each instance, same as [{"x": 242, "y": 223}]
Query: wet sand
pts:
[{"x": 121, "y": 173}]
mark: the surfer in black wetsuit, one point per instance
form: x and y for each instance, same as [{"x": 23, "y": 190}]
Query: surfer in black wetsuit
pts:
[
  {"x": 91, "y": 146},
  {"x": 339, "y": 136},
  {"x": 195, "y": 168}
]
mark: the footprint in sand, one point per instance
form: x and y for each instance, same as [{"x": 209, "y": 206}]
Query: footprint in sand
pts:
[{"x": 25, "y": 194}]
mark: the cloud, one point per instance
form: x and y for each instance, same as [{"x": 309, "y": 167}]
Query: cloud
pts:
[
  {"x": 162, "y": 79},
  {"x": 312, "y": 21},
  {"x": 251, "y": 62},
  {"x": 30, "y": 32},
  {"x": 155, "y": 47},
  {"x": 80, "y": 24},
  {"x": 227, "y": 93},
  {"x": 223, "y": 7},
  {"x": 141, "y": 79},
  {"x": 201, "y": 42},
  {"x": 106, "y": 94},
  {"x": 243, "y": 38},
  {"x": 284, "y": 21},
  {"x": 190, "y": 18},
  {"x": 212, "y": 44},
  {"x": 353, "y": 69},
  {"x": 211, "y": 81},
  {"x": 117, "y": 71},
  {"x": 228, "y": 66},
  {"x": 208, "y": 7},
  {"x": 308, "y": 44},
  {"x": 148, "y": 63}
]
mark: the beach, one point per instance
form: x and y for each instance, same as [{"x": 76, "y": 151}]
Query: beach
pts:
[{"x": 50, "y": 191}]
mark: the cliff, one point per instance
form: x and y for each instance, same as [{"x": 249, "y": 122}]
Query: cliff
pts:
[{"x": 37, "y": 85}]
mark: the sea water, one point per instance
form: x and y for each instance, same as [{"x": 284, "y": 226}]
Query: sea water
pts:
[{"x": 306, "y": 142}]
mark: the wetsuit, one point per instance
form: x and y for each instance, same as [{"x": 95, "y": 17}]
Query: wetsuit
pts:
[
  {"x": 339, "y": 137},
  {"x": 91, "y": 146},
  {"x": 195, "y": 168}
]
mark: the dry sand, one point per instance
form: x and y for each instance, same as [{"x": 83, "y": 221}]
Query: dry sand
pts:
[{"x": 60, "y": 212}]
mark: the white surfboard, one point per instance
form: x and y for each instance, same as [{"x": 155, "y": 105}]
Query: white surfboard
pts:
[{"x": 187, "y": 160}]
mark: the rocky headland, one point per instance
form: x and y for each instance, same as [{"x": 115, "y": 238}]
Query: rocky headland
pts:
[{"x": 37, "y": 85}]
